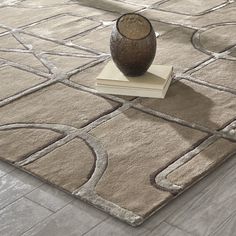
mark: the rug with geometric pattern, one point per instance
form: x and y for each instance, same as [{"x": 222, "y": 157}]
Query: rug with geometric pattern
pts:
[{"x": 128, "y": 156}]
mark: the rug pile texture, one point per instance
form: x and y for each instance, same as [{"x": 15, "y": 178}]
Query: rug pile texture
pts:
[{"x": 128, "y": 156}]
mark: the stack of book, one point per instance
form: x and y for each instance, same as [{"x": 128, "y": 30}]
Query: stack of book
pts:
[{"x": 154, "y": 83}]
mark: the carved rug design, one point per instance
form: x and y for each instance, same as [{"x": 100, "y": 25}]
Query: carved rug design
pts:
[{"x": 128, "y": 156}]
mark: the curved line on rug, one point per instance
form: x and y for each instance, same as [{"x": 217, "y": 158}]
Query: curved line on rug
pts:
[
  {"x": 101, "y": 161},
  {"x": 161, "y": 178},
  {"x": 196, "y": 42}
]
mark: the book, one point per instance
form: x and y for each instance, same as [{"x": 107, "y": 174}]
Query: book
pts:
[{"x": 154, "y": 83}]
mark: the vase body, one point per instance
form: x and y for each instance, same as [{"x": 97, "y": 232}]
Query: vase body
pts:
[{"x": 133, "y": 44}]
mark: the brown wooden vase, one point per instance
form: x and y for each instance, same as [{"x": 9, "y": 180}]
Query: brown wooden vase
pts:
[{"x": 133, "y": 44}]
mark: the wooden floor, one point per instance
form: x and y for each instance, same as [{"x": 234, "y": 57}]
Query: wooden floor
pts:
[{"x": 30, "y": 207}]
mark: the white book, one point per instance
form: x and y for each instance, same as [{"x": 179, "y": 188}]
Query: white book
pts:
[{"x": 154, "y": 83}]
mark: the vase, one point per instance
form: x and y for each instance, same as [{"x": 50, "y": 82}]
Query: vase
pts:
[{"x": 133, "y": 44}]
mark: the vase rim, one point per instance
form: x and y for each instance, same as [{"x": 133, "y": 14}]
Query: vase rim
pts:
[{"x": 130, "y": 13}]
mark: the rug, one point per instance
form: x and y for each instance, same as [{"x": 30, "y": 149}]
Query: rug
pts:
[{"x": 128, "y": 156}]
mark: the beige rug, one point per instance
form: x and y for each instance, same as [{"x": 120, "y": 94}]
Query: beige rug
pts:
[{"x": 127, "y": 156}]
